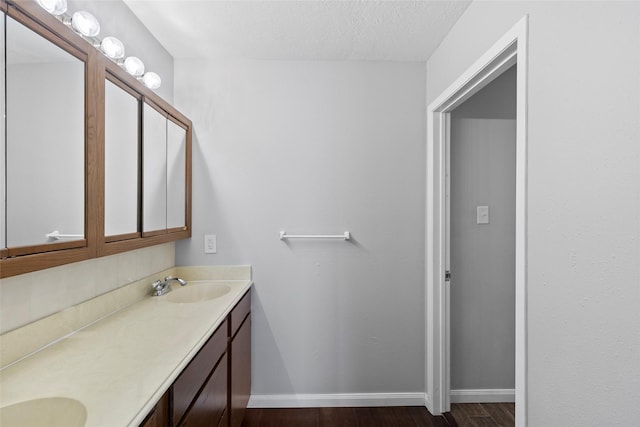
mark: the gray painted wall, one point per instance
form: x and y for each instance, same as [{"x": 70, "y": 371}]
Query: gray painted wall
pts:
[
  {"x": 483, "y": 156},
  {"x": 583, "y": 204},
  {"x": 316, "y": 147}
]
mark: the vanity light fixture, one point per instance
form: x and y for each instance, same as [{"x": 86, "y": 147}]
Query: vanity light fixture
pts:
[
  {"x": 85, "y": 23},
  {"x": 112, "y": 48},
  {"x": 54, "y": 7},
  {"x": 151, "y": 80},
  {"x": 134, "y": 66}
]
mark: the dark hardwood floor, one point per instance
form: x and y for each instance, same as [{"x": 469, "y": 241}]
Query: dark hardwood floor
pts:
[
  {"x": 396, "y": 416},
  {"x": 484, "y": 414}
]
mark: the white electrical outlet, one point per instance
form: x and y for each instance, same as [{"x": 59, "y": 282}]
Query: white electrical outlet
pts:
[{"x": 210, "y": 244}]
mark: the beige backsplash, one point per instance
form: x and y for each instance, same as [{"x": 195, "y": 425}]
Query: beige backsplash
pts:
[
  {"x": 32, "y": 296},
  {"x": 24, "y": 340}
]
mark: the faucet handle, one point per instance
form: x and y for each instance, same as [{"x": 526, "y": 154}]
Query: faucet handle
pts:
[
  {"x": 160, "y": 287},
  {"x": 157, "y": 285}
]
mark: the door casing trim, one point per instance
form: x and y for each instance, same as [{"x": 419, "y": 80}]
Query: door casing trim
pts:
[{"x": 510, "y": 49}]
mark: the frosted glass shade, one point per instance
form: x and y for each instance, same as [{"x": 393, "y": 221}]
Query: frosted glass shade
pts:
[
  {"x": 54, "y": 7},
  {"x": 151, "y": 80},
  {"x": 85, "y": 23},
  {"x": 134, "y": 66},
  {"x": 112, "y": 47}
]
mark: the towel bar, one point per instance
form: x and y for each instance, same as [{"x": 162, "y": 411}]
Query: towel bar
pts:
[
  {"x": 57, "y": 236},
  {"x": 345, "y": 236}
]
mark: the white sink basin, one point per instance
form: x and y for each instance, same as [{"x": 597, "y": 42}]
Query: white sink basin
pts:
[
  {"x": 50, "y": 412},
  {"x": 196, "y": 292}
]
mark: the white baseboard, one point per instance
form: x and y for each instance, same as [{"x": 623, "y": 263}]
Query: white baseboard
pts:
[
  {"x": 335, "y": 400},
  {"x": 483, "y": 395}
]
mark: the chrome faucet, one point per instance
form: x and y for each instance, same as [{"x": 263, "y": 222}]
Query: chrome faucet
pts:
[
  {"x": 161, "y": 287},
  {"x": 170, "y": 278}
]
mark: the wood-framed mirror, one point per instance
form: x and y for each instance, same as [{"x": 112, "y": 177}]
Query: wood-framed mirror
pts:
[
  {"x": 49, "y": 148},
  {"x": 164, "y": 166},
  {"x": 159, "y": 230},
  {"x": 106, "y": 171},
  {"x": 122, "y": 154}
]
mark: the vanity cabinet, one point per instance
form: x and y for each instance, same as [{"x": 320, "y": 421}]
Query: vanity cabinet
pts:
[{"x": 214, "y": 389}]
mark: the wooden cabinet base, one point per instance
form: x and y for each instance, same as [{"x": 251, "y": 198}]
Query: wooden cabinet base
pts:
[{"x": 214, "y": 389}]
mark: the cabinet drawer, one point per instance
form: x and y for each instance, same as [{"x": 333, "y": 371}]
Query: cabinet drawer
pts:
[
  {"x": 239, "y": 312},
  {"x": 191, "y": 379}
]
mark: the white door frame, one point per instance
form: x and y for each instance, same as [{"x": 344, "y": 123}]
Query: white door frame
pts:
[{"x": 510, "y": 49}]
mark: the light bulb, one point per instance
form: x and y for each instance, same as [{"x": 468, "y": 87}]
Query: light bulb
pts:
[
  {"x": 85, "y": 23},
  {"x": 112, "y": 47},
  {"x": 54, "y": 7},
  {"x": 151, "y": 80},
  {"x": 134, "y": 66}
]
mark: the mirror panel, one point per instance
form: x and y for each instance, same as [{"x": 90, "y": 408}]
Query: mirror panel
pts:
[
  {"x": 45, "y": 139},
  {"x": 122, "y": 142},
  {"x": 3, "y": 163},
  {"x": 154, "y": 170},
  {"x": 176, "y": 175}
]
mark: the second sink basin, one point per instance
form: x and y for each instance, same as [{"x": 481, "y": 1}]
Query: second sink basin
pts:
[
  {"x": 50, "y": 411},
  {"x": 196, "y": 292}
]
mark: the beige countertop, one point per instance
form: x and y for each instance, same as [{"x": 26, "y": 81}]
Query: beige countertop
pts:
[{"x": 120, "y": 366}]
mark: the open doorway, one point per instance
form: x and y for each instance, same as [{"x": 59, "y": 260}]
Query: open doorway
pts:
[
  {"x": 509, "y": 50},
  {"x": 480, "y": 250}
]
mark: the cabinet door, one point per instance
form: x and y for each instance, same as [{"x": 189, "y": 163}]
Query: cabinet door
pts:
[
  {"x": 121, "y": 160},
  {"x": 186, "y": 386},
  {"x": 154, "y": 170},
  {"x": 224, "y": 421},
  {"x": 240, "y": 389},
  {"x": 45, "y": 125},
  {"x": 211, "y": 403},
  {"x": 159, "y": 416},
  {"x": 176, "y": 175}
]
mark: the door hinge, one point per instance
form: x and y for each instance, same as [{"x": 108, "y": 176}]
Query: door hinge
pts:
[{"x": 447, "y": 276}]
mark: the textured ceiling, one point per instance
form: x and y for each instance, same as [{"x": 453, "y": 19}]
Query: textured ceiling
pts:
[{"x": 299, "y": 30}]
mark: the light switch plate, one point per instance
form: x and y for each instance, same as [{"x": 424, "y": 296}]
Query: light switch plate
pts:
[
  {"x": 210, "y": 244},
  {"x": 482, "y": 214}
]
